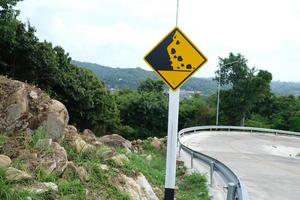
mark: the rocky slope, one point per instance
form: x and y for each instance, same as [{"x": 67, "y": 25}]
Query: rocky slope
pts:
[{"x": 42, "y": 157}]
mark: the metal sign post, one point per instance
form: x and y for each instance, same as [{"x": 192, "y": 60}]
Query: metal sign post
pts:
[
  {"x": 174, "y": 59},
  {"x": 172, "y": 143}
]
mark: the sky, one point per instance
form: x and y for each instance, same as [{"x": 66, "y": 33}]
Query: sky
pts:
[{"x": 119, "y": 33}]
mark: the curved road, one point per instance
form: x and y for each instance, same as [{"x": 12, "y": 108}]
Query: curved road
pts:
[{"x": 267, "y": 164}]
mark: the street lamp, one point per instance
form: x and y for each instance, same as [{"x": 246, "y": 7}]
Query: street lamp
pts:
[{"x": 219, "y": 85}]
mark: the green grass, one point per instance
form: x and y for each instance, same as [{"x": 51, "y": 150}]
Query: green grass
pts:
[
  {"x": 8, "y": 190},
  {"x": 153, "y": 170},
  {"x": 43, "y": 175},
  {"x": 101, "y": 182},
  {"x": 39, "y": 134},
  {"x": 71, "y": 189},
  {"x": 193, "y": 187},
  {"x": 3, "y": 139},
  {"x": 298, "y": 154}
]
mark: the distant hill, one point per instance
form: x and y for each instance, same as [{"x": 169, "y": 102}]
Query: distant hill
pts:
[{"x": 130, "y": 78}]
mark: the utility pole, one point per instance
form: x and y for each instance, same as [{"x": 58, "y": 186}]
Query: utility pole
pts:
[{"x": 218, "y": 101}]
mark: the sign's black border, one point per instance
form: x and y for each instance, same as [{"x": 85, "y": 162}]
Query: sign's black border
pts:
[{"x": 189, "y": 76}]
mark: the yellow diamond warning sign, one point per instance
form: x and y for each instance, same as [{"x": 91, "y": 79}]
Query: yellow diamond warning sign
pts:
[{"x": 175, "y": 59}]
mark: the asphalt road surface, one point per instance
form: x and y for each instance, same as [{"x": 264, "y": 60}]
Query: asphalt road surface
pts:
[{"x": 267, "y": 164}]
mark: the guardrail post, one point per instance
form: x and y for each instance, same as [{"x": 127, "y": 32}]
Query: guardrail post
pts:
[
  {"x": 231, "y": 191},
  {"x": 192, "y": 160},
  {"x": 179, "y": 149},
  {"x": 212, "y": 169}
]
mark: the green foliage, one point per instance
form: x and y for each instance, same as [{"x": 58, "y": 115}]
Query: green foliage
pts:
[
  {"x": 249, "y": 87},
  {"x": 151, "y": 85},
  {"x": 3, "y": 140},
  {"x": 285, "y": 113},
  {"x": 195, "y": 111},
  {"x": 193, "y": 187},
  {"x": 258, "y": 121},
  {"x": 130, "y": 78},
  {"x": 294, "y": 121},
  {"x": 145, "y": 112},
  {"x": 24, "y": 57}
]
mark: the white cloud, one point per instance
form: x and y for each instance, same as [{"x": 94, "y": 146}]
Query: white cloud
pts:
[{"x": 119, "y": 32}]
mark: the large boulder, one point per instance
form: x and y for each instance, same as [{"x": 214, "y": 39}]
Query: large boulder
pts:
[
  {"x": 116, "y": 140},
  {"x": 16, "y": 104},
  {"x": 13, "y": 105},
  {"x": 138, "y": 188},
  {"x": 53, "y": 160},
  {"x": 23, "y": 107},
  {"x": 90, "y": 137},
  {"x": 56, "y": 119}
]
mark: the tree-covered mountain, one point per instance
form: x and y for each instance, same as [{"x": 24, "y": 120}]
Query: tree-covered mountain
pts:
[{"x": 130, "y": 78}]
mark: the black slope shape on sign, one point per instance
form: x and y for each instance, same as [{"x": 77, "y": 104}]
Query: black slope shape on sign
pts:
[{"x": 159, "y": 58}]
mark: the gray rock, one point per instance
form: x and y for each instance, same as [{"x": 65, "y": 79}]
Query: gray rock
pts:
[
  {"x": 71, "y": 170},
  {"x": 13, "y": 174},
  {"x": 53, "y": 161},
  {"x": 57, "y": 119},
  {"x": 116, "y": 140},
  {"x": 17, "y": 104},
  {"x": 5, "y": 161},
  {"x": 43, "y": 144},
  {"x": 104, "y": 167},
  {"x": 33, "y": 94},
  {"x": 120, "y": 159},
  {"x": 40, "y": 188},
  {"x": 138, "y": 188},
  {"x": 82, "y": 147}
]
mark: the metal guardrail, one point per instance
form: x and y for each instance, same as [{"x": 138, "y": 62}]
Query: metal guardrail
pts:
[{"x": 236, "y": 190}]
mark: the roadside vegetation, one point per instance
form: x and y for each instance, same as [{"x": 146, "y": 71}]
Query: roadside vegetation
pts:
[
  {"x": 247, "y": 99},
  {"x": 152, "y": 162},
  {"x": 103, "y": 173}
]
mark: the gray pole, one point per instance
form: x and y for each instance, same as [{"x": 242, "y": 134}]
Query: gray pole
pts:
[
  {"x": 218, "y": 101},
  {"x": 171, "y": 144}
]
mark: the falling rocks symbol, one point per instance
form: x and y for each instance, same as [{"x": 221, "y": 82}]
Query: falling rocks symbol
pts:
[{"x": 175, "y": 59}]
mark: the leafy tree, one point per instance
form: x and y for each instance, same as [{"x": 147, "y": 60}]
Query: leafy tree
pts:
[
  {"x": 248, "y": 87},
  {"x": 145, "y": 112},
  {"x": 285, "y": 112},
  {"x": 294, "y": 121},
  {"x": 195, "y": 112},
  {"x": 151, "y": 85},
  {"x": 256, "y": 120},
  {"x": 24, "y": 57}
]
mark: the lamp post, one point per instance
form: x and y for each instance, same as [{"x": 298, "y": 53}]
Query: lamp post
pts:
[{"x": 219, "y": 86}]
